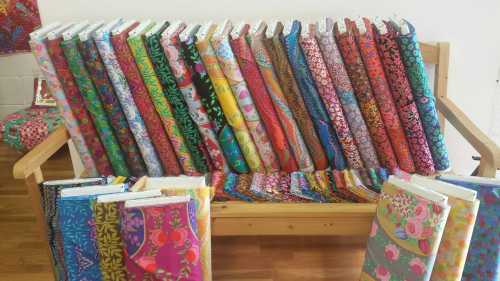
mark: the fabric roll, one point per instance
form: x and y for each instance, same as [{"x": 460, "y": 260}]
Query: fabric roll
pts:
[
  {"x": 145, "y": 105},
  {"x": 94, "y": 106},
  {"x": 312, "y": 100},
  {"x": 382, "y": 93},
  {"x": 161, "y": 242},
  {"x": 263, "y": 102},
  {"x": 112, "y": 107},
  {"x": 243, "y": 185},
  {"x": 285, "y": 116},
  {"x": 225, "y": 135},
  {"x": 164, "y": 109},
  {"x": 130, "y": 109},
  {"x": 326, "y": 90},
  {"x": 109, "y": 242},
  {"x": 180, "y": 110},
  {"x": 217, "y": 180},
  {"x": 424, "y": 98},
  {"x": 78, "y": 231},
  {"x": 405, "y": 103},
  {"x": 183, "y": 76},
  {"x": 364, "y": 94},
  {"x": 258, "y": 189},
  {"x": 271, "y": 185},
  {"x": 286, "y": 78},
  {"x": 75, "y": 101},
  {"x": 47, "y": 68},
  {"x": 229, "y": 106},
  {"x": 230, "y": 188},
  {"x": 345, "y": 93},
  {"x": 231, "y": 70}
]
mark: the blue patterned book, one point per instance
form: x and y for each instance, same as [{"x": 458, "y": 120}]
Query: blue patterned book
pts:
[{"x": 483, "y": 259}]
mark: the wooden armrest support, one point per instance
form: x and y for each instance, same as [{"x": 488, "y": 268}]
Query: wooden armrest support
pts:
[
  {"x": 33, "y": 160},
  {"x": 490, "y": 152}
]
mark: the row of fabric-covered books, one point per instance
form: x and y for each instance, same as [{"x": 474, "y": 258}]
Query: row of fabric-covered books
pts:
[
  {"x": 100, "y": 231},
  {"x": 428, "y": 229},
  {"x": 153, "y": 98}
]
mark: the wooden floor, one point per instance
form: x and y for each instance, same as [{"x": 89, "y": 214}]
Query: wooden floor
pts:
[{"x": 22, "y": 254}]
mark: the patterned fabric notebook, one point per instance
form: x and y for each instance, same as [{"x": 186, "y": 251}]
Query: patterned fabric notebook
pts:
[
  {"x": 483, "y": 259},
  {"x": 405, "y": 234}
]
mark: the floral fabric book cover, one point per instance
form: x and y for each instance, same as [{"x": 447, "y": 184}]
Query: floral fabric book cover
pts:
[
  {"x": 405, "y": 233},
  {"x": 483, "y": 259},
  {"x": 450, "y": 260}
]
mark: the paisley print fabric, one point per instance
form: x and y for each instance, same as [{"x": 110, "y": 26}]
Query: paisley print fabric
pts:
[
  {"x": 483, "y": 258},
  {"x": 183, "y": 75},
  {"x": 77, "y": 105},
  {"x": 382, "y": 94},
  {"x": 130, "y": 109},
  {"x": 225, "y": 135},
  {"x": 345, "y": 93},
  {"x": 229, "y": 106},
  {"x": 263, "y": 102},
  {"x": 312, "y": 100},
  {"x": 292, "y": 94},
  {"x": 94, "y": 106},
  {"x": 161, "y": 242},
  {"x": 112, "y": 107},
  {"x": 229, "y": 66},
  {"x": 405, "y": 103},
  {"x": 161, "y": 104},
  {"x": 324, "y": 85},
  {"x": 144, "y": 104},
  {"x": 47, "y": 68},
  {"x": 285, "y": 116},
  {"x": 404, "y": 236},
  {"x": 179, "y": 107},
  {"x": 109, "y": 242},
  {"x": 364, "y": 94},
  {"x": 424, "y": 98}
]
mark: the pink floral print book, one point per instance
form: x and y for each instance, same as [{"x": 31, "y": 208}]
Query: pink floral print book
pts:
[
  {"x": 405, "y": 234},
  {"x": 160, "y": 241}
]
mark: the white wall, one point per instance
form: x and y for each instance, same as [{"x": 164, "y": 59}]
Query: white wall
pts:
[{"x": 470, "y": 26}]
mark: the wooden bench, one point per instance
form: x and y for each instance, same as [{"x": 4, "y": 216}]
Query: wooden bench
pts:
[{"x": 237, "y": 218}]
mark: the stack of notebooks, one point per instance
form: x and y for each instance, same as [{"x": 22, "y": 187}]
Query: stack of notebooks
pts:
[
  {"x": 424, "y": 227},
  {"x": 100, "y": 231}
]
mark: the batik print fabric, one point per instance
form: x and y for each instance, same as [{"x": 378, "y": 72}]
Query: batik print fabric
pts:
[
  {"x": 404, "y": 236},
  {"x": 50, "y": 195},
  {"x": 405, "y": 103},
  {"x": 77, "y": 105},
  {"x": 293, "y": 96},
  {"x": 145, "y": 105},
  {"x": 263, "y": 102},
  {"x": 18, "y": 18},
  {"x": 229, "y": 65},
  {"x": 161, "y": 104},
  {"x": 345, "y": 93},
  {"x": 285, "y": 116},
  {"x": 201, "y": 197},
  {"x": 324, "y": 85},
  {"x": 229, "y": 106},
  {"x": 180, "y": 110},
  {"x": 94, "y": 106},
  {"x": 161, "y": 242},
  {"x": 483, "y": 259},
  {"x": 183, "y": 76},
  {"x": 78, "y": 230},
  {"x": 225, "y": 135},
  {"x": 312, "y": 100},
  {"x": 364, "y": 94},
  {"x": 47, "y": 68},
  {"x": 112, "y": 107},
  {"x": 109, "y": 242},
  {"x": 382, "y": 93},
  {"x": 424, "y": 98},
  {"x": 131, "y": 111}
]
